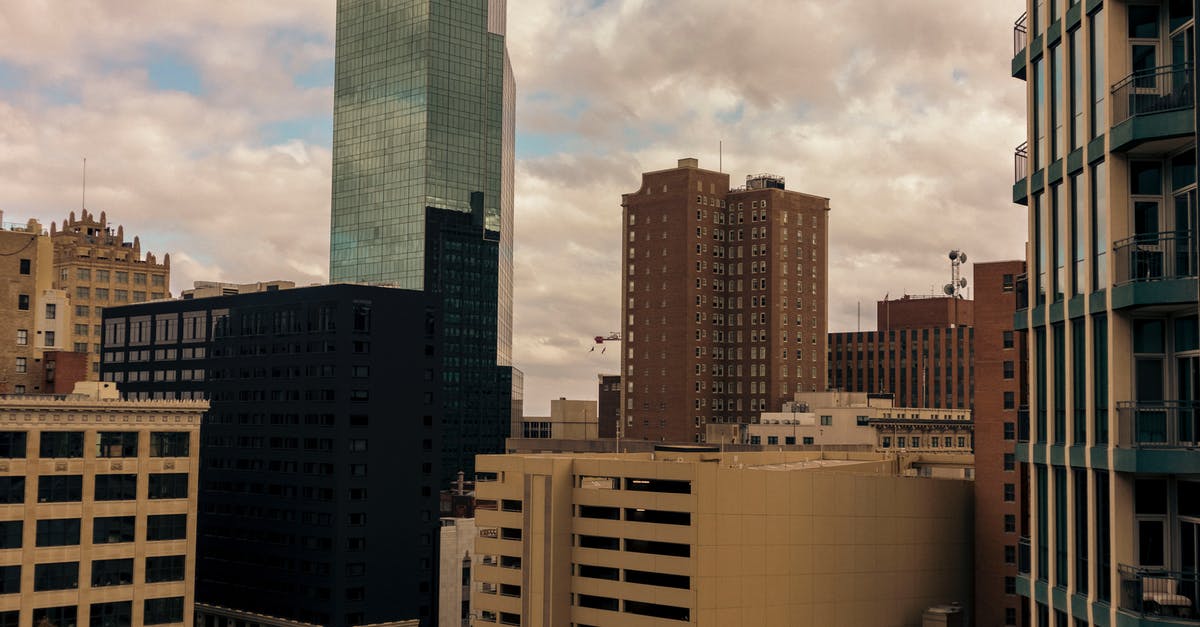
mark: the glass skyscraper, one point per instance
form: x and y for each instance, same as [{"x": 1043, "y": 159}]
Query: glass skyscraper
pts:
[{"x": 423, "y": 139}]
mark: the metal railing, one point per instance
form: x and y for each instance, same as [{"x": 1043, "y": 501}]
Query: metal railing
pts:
[
  {"x": 1020, "y": 162},
  {"x": 1155, "y": 256},
  {"x": 1159, "y": 424},
  {"x": 1022, "y": 290},
  {"x": 1156, "y": 592},
  {"x": 1023, "y": 423},
  {"x": 1024, "y": 548},
  {"x": 1020, "y": 33},
  {"x": 1164, "y": 88}
]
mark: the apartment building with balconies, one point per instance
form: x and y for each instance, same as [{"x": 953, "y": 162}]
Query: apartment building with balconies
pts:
[{"x": 1109, "y": 314}]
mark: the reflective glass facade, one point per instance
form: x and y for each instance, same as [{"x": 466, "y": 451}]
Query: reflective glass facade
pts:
[{"x": 423, "y": 140}]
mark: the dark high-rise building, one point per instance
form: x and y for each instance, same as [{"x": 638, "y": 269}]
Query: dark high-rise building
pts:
[
  {"x": 320, "y": 454},
  {"x": 724, "y": 309},
  {"x": 423, "y": 189},
  {"x": 608, "y": 405}
]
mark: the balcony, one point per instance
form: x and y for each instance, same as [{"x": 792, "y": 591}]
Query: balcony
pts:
[
  {"x": 1020, "y": 41},
  {"x": 1159, "y": 424},
  {"x": 1155, "y": 269},
  {"x": 1020, "y": 189},
  {"x": 1023, "y": 555},
  {"x": 1163, "y": 595},
  {"x": 1154, "y": 105}
]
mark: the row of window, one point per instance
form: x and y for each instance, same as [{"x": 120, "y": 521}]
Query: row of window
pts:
[
  {"x": 105, "y": 530},
  {"x": 163, "y": 611},
  {"x": 118, "y": 487},
  {"x": 120, "y": 276},
  {"x": 109, "y": 444},
  {"x": 105, "y": 573}
]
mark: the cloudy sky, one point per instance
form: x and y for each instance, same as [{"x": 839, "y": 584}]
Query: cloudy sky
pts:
[{"x": 207, "y": 124}]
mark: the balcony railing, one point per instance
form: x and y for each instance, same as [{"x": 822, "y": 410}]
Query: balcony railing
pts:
[
  {"x": 1023, "y": 423},
  {"x": 1023, "y": 555},
  {"x": 1159, "y": 424},
  {"x": 1156, "y": 256},
  {"x": 1165, "y": 88},
  {"x": 1021, "y": 162},
  {"x": 1022, "y": 290},
  {"x": 1020, "y": 33},
  {"x": 1153, "y": 592}
]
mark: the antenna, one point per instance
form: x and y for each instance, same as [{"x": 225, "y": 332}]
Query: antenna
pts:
[
  {"x": 83, "y": 199},
  {"x": 721, "y": 156},
  {"x": 958, "y": 284}
]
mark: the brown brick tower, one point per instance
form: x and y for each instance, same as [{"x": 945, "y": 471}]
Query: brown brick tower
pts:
[{"x": 724, "y": 308}]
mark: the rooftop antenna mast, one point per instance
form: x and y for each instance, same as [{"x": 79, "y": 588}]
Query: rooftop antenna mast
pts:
[
  {"x": 83, "y": 199},
  {"x": 954, "y": 289}
]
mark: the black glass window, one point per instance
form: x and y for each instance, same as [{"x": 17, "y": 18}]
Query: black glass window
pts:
[
  {"x": 61, "y": 444},
  {"x": 167, "y": 527},
  {"x": 112, "y": 529},
  {"x": 12, "y": 490},
  {"x": 10, "y": 534},
  {"x": 56, "y": 576},
  {"x": 60, "y": 488},
  {"x": 163, "y": 611},
  {"x": 117, "y": 614},
  {"x": 10, "y": 579},
  {"x": 169, "y": 486},
  {"x": 170, "y": 444},
  {"x": 118, "y": 572},
  {"x": 12, "y": 444},
  {"x": 165, "y": 568},
  {"x": 57, "y": 616},
  {"x": 58, "y": 532},
  {"x": 116, "y": 487}
]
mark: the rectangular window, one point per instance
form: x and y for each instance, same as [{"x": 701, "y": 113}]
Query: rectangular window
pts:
[
  {"x": 25, "y": 266},
  {"x": 1058, "y": 139},
  {"x": 1078, "y": 240},
  {"x": 1039, "y": 251},
  {"x": 1010, "y": 462},
  {"x": 60, "y": 444},
  {"x": 55, "y": 616},
  {"x": 50, "y": 338},
  {"x": 1082, "y": 514},
  {"x": 60, "y": 488},
  {"x": 112, "y": 444},
  {"x": 21, "y": 365},
  {"x": 1099, "y": 84},
  {"x": 1078, "y": 382},
  {"x": 56, "y": 576},
  {"x": 1059, "y": 341},
  {"x": 166, "y": 527},
  {"x": 1099, "y": 234},
  {"x": 169, "y": 485},
  {"x": 1061, "y": 525},
  {"x": 112, "y": 529},
  {"x": 11, "y": 534},
  {"x": 10, "y": 582},
  {"x": 1075, "y": 37},
  {"x": 163, "y": 611},
  {"x": 116, "y": 572},
  {"x": 166, "y": 568},
  {"x": 22, "y": 337},
  {"x": 1041, "y": 152},
  {"x": 51, "y": 311},
  {"x": 115, "y": 614},
  {"x": 170, "y": 444},
  {"x": 1059, "y": 211},
  {"x": 1010, "y": 431},
  {"x": 12, "y": 490},
  {"x": 1100, "y": 378},
  {"x": 23, "y": 302},
  {"x": 826, "y": 421},
  {"x": 1103, "y": 537},
  {"x": 12, "y": 444},
  {"x": 116, "y": 487},
  {"x": 1042, "y": 514},
  {"x": 58, "y": 532}
]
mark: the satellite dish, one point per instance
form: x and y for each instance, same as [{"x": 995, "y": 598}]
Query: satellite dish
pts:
[
  {"x": 948, "y": 289},
  {"x": 962, "y": 282},
  {"x": 962, "y": 257}
]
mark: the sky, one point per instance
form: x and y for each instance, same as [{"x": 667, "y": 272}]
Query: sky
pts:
[{"x": 207, "y": 126}]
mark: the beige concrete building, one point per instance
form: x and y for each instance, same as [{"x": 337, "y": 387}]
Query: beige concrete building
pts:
[
  {"x": 97, "y": 508},
  {"x": 842, "y": 418},
  {"x": 568, "y": 420},
  {"x": 98, "y": 268},
  {"x": 455, "y": 557},
  {"x": 34, "y": 317},
  {"x": 206, "y": 289},
  {"x": 689, "y": 535}
]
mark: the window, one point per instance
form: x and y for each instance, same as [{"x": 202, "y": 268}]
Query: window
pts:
[
  {"x": 1010, "y": 399},
  {"x": 118, "y": 572},
  {"x": 1010, "y": 585},
  {"x": 115, "y": 614},
  {"x": 1010, "y": 461},
  {"x": 166, "y": 527},
  {"x": 50, "y": 338},
  {"x": 1010, "y": 523},
  {"x": 807, "y": 440},
  {"x": 59, "y": 444},
  {"x": 122, "y": 277},
  {"x": 112, "y": 529},
  {"x": 116, "y": 444},
  {"x": 170, "y": 444},
  {"x": 12, "y": 444},
  {"x": 162, "y": 611},
  {"x": 166, "y": 568},
  {"x": 116, "y": 487},
  {"x": 23, "y": 302},
  {"x": 60, "y": 488},
  {"x": 22, "y": 365},
  {"x": 1010, "y": 554},
  {"x": 56, "y": 576},
  {"x": 1010, "y": 431},
  {"x": 10, "y": 580},
  {"x": 51, "y": 311},
  {"x": 12, "y": 490},
  {"x": 169, "y": 485},
  {"x": 826, "y": 421},
  {"x": 26, "y": 266},
  {"x": 1010, "y": 493},
  {"x": 22, "y": 337},
  {"x": 58, "y": 532},
  {"x": 1009, "y": 369},
  {"x": 11, "y": 534},
  {"x": 55, "y": 615}
]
